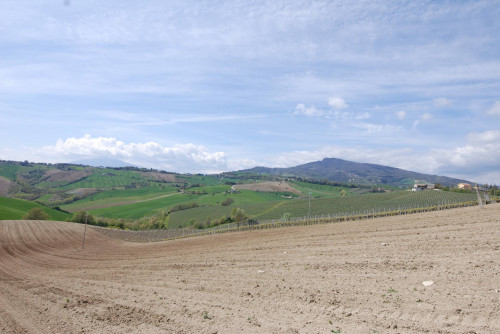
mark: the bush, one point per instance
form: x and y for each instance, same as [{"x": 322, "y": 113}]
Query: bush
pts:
[
  {"x": 227, "y": 202},
  {"x": 83, "y": 217},
  {"x": 36, "y": 213},
  {"x": 238, "y": 215},
  {"x": 252, "y": 221}
]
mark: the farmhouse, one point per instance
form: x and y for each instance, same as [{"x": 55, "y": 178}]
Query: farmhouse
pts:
[{"x": 465, "y": 186}]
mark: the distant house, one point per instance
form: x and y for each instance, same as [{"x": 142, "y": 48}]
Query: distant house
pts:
[
  {"x": 422, "y": 186},
  {"x": 465, "y": 186}
]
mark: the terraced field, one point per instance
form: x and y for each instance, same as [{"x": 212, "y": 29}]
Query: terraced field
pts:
[{"x": 353, "y": 277}]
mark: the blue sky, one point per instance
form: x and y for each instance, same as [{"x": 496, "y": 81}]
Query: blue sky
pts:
[{"x": 209, "y": 86}]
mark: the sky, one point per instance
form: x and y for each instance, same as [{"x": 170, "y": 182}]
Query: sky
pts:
[{"x": 213, "y": 86}]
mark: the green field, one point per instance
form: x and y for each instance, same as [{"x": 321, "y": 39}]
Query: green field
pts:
[
  {"x": 209, "y": 201},
  {"x": 11, "y": 208},
  {"x": 144, "y": 197},
  {"x": 9, "y": 171},
  {"x": 321, "y": 190},
  {"x": 326, "y": 206},
  {"x": 107, "y": 178},
  {"x": 111, "y": 197}
]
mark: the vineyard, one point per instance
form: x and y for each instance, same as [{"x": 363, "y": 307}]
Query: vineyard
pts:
[
  {"x": 299, "y": 208},
  {"x": 346, "y": 209}
]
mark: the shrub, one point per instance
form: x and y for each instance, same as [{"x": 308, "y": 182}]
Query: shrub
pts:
[
  {"x": 36, "y": 214},
  {"x": 83, "y": 217},
  {"x": 227, "y": 202}
]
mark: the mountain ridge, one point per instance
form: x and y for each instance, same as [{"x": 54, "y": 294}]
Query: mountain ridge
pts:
[{"x": 344, "y": 171}]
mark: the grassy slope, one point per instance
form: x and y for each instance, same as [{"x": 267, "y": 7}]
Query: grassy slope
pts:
[
  {"x": 117, "y": 196},
  {"x": 8, "y": 171},
  {"x": 107, "y": 178},
  {"x": 11, "y": 208},
  {"x": 210, "y": 201},
  {"x": 324, "y": 206}
]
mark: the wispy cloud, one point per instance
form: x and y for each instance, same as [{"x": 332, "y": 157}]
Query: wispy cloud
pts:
[
  {"x": 494, "y": 110},
  {"x": 234, "y": 74},
  {"x": 442, "y": 102},
  {"x": 401, "y": 115}
]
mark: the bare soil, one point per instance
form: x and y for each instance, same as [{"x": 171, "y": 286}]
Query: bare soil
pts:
[
  {"x": 4, "y": 186},
  {"x": 353, "y": 277},
  {"x": 55, "y": 175},
  {"x": 82, "y": 191},
  {"x": 160, "y": 176},
  {"x": 272, "y": 186}
]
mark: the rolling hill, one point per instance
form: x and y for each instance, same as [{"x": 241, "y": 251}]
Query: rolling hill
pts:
[{"x": 343, "y": 171}]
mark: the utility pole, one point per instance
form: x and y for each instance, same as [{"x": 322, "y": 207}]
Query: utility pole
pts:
[
  {"x": 85, "y": 229},
  {"x": 309, "y": 212}
]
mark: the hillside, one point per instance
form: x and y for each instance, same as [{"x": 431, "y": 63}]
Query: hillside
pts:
[
  {"x": 343, "y": 171},
  {"x": 140, "y": 198},
  {"x": 11, "y": 208}
]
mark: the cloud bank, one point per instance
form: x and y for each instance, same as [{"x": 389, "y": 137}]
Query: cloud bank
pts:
[{"x": 180, "y": 158}]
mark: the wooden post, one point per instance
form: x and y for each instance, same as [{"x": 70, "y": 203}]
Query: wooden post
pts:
[{"x": 479, "y": 196}]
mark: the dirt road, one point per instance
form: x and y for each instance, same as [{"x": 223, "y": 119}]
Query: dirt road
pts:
[{"x": 354, "y": 277}]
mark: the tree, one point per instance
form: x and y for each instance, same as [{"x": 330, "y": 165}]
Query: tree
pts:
[
  {"x": 81, "y": 217},
  {"x": 238, "y": 215},
  {"x": 343, "y": 193},
  {"x": 286, "y": 217},
  {"x": 36, "y": 213},
  {"x": 227, "y": 202}
]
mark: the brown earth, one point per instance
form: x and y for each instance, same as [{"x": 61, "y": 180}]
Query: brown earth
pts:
[
  {"x": 272, "y": 186},
  {"x": 160, "y": 176},
  {"x": 4, "y": 186},
  {"x": 55, "y": 175},
  {"x": 82, "y": 191},
  {"x": 353, "y": 277}
]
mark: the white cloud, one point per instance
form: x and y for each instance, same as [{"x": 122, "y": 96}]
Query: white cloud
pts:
[
  {"x": 337, "y": 103},
  {"x": 494, "y": 110},
  {"x": 442, "y": 102},
  {"x": 400, "y": 114},
  {"x": 180, "y": 158},
  {"x": 426, "y": 117},
  {"x": 302, "y": 109}
]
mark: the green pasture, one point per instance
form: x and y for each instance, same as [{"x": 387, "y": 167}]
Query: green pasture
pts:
[
  {"x": 141, "y": 209},
  {"x": 117, "y": 196},
  {"x": 212, "y": 198},
  {"x": 324, "y": 190},
  {"x": 9, "y": 171},
  {"x": 106, "y": 178},
  {"x": 11, "y": 208}
]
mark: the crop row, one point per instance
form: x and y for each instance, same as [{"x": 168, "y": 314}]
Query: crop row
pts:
[{"x": 161, "y": 235}]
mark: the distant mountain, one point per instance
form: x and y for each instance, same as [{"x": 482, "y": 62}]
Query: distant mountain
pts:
[
  {"x": 103, "y": 162},
  {"x": 343, "y": 171}
]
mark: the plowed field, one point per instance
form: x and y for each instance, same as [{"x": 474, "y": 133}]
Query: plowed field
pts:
[{"x": 353, "y": 277}]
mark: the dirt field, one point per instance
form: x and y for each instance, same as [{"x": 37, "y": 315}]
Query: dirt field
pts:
[
  {"x": 268, "y": 187},
  {"x": 55, "y": 175},
  {"x": 160, "y": 176},
  {"x": 354, "y": 277}
]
